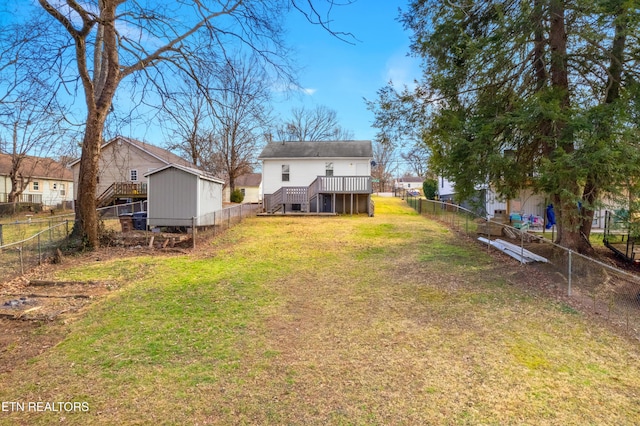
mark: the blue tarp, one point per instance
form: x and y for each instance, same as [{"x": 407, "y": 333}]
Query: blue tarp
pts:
[{"x": 551, "y": 217}]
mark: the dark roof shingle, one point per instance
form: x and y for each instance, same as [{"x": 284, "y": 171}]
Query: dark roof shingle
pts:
[
  {"x": 324, "y": 149},
  {"x": 36, "y": 167}
]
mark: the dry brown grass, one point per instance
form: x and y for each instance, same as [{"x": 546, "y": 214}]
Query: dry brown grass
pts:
[{"x": 349, "y": 320}]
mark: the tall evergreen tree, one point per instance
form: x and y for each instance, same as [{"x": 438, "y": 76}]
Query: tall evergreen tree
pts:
[{"x": 539, "y": 93}]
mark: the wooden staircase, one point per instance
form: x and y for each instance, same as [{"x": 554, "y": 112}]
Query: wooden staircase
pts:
[
  {"x": 305, "y": 195},
  {"x": 119, "y": 190}
]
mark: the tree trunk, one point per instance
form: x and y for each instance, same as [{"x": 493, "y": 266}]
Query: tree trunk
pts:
[
  {"x": 592, "y": 190},
  {"x": 567, "y": 210},
  {"x": 86, "y": 214}
]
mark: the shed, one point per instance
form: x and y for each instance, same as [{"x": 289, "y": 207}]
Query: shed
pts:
[{"x": 178, "y": 193}]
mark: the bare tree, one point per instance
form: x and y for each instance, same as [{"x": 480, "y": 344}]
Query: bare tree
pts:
[
  {"x": 418, "y": 159},
  {"x": 240, "y": 115},
  {"x": 384, "y": 155},
  {"x": 318, "y": 124},
  {"x": 35, "y": 129},
  {"x": 188, "y": 118},
  {"x": 30, "y": 116},
  {"x": 117, "y": 40}
]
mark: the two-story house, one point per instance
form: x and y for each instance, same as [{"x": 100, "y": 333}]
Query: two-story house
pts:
[
  {"x": 317, "y": 177},
  {"x": 124, "y": 162}
]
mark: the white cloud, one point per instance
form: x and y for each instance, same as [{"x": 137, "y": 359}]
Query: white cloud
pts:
[{"x": 402, "y": 70}]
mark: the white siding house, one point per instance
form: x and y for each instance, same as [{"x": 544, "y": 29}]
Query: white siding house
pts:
[
  {"x": 46, "y": 182},
  {"x": 328, "y": 176},
  {"x": 446, "y": 190},
  {"x": 409, "y": 182},
  {"x": 526, "y": 203},
  {"x": 177, "y": 194}
]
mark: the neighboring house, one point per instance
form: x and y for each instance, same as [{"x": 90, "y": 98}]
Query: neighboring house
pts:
[
  {"x": 48, "y": 182},
  {"x": 182, "y": 196},
  {"x": 328, "y": 177},
  {"x": 124, "y": 162},
  {"x": 409, "y": 182},
  {"x": 446, "y": 190},
  {"x": 488, "y": 203},
  {"x": 250, "y": 185}
]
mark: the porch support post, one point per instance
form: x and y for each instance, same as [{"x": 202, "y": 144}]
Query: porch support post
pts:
[{"x": 352, "y": 204}]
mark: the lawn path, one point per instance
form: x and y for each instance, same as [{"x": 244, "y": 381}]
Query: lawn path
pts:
[{"x": 340, "y": 320}]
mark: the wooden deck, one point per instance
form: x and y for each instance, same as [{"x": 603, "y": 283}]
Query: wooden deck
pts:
[
  {"x": 323, "y": 190},
  {"x": 119, "y": 190}
]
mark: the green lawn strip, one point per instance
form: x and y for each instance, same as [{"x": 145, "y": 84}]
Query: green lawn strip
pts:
[{"x": 348, "y": 320}]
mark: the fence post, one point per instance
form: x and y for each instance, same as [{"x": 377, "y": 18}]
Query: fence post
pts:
[
  {"x": 1, "y": 239},
  {"x": 193, "y": 232},
  {"x": 521, "y": 246},
  {"x": 40, "y": 250},
  {"x": 20, "y": 249},
  {"x": 569, "y": 276}
]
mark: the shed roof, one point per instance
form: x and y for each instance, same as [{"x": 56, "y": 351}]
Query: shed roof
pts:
[
  {"x": 36, "y": 167},
  {"x": 324, "y": 149},
  {"x": 196, "y": 172}
]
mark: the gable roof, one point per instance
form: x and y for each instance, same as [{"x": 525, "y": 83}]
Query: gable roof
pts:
[
  {"x": 161, "y": 154},
  {"x": 196, "y": 172},
  {"x": 410, "y": 179},
  {"x": 249, "y": 179},
  {"x": 36, "y": 167},
  {"x": 324, "y": 149}
]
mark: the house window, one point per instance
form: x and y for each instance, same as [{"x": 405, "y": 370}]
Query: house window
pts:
[
  {"x": 62, "y": 192},
  {"x": 328, "y": 167},
  {"x": 36, "y": 185},
  {"x": 133, "y": 175},
  {"x": 285, "y": 173},
  {"x": 242, "y": 191}
]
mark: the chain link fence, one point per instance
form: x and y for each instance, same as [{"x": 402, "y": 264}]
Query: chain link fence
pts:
[
  {"x": 604, "y": 289},
  {"x": 27, "y": 244}
]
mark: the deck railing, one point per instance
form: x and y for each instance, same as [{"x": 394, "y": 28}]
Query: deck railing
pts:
[
  {"x": 22, "y": 198},
  {"x": 342, "y": 184},
  {"x": 122, "y": 190},
  {"x": 304, "y": 195}
]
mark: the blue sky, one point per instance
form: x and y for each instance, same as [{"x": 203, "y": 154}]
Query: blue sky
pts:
[
  {"x": 339, "y": 75},
  {"x": 333, "y": 73}
]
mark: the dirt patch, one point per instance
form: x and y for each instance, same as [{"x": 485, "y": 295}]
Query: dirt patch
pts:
[
  {"x": 34, "y": 314},
  {"x": 36, "y": 309}
]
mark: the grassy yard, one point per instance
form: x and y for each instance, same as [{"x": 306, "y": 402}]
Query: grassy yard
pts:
[{"x": 327, "y": 320}]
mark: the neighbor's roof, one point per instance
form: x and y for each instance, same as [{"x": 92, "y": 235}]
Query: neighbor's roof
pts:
[
  {"x": 409, "y": 179},
  {"x": 36, "y": 167},
  {"x": 161, "y": 154},
  {"x": 250, "y": 179},
  {"x": 324, "y": 149}
]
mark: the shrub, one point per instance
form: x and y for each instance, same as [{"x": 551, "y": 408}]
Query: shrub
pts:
[
  {"x": 429, "y": 188},
  {"x": 236, "y": 196}
]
